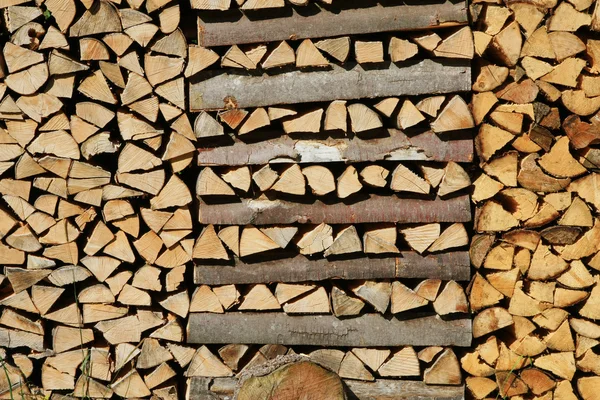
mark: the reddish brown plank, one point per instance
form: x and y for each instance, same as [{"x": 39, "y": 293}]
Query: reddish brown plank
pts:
[
  {"x": 397, "y": 146},
  {"x": 445, "y": 266},
  {"x": 370, "y": 210}
]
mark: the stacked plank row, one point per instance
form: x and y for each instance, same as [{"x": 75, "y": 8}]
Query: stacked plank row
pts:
[
  {"x": 535, "y": 294},
  {"x": 319, "y": 183},
  {"x": 195, "y": 194}
]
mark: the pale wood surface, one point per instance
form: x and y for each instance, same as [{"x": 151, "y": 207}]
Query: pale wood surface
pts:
[
  {"x": 326, "y": 330},
  {"x": 338, "y": 83}
]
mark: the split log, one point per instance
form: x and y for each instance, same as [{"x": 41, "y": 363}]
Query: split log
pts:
[
  {"x": 368, "y": 52},
  {"x": 344, "y": 305},
  {"x": 334, "y": 84},
  {"x": 291, "y": 181},
  {"x": 320, "y": 179},
  {"x": 374, "y": 175},
  {"x": 346, "y": 241},
  {"x": 325, "y": 23},
  {"x": 337, "y": 48},
  {"x": 348, "y": 183},
  {"x": 308, "y": 56},
  {"x": 281, "y": 55},
  {"x": 445, "y": 266},
  {"x": 373, "y": 209},
  {"x": 326, "y": 330}
]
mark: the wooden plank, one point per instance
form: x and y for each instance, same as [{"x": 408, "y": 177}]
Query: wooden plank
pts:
[
  {"x": 394, "y": 146},
  {"x": 388, "y": 389},
  {"x": 445, "y": 266},
  {"x": 326, "y": 330},
  {"x": 337, "y": 83},
  {"x": 391, "y": 389},
  {"x": 313, "y": 21},
  {"x": 370, "y": 210}
]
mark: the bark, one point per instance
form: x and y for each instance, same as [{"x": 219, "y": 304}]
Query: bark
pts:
[
  {"x": 326, "y": 330},
  {"x": 395, "y": 146},
  {"x": 215, "y": 89},
  {"x": 446, "y": 266},
  {"x": 370, "y": 210},
  {"x": 314, "y": 21}
]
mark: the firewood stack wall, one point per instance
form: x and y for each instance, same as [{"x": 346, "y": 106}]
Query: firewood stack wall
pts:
[
  {"x": 210, "y": 199},
  {"x": 535, "y": 295}
]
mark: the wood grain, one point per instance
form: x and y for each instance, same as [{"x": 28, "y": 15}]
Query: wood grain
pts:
[
  {"x": 326, "y": 330},
  {"x": 445, "y": 266},
  {"x": 220, "y": 29},
  {"x": 388, "y": 389},
  {"x": 210, "y": 89}
]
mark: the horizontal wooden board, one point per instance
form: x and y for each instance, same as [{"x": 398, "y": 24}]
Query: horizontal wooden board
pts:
[
  {"x": 337, "y": 83},
  {"x": 445, "y": 266},
  {"x": 371, "y": 209},
  {"x": 313, "y": 21},
  {"x": 395, "y": 146},
  {"x": 326, "y": 330},
  {"x": 388, "y": 389}
]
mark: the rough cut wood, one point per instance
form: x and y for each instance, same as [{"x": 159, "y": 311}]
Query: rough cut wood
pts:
[
  {"x": 302, "y": 378},
  {"x": 337, "y": 83},
  {"x": 397, "y": 146},
  {"x": 392, "y": 389},
  {"x": 111, "y": 188},
  {"x": 401, "y": 389},
  {"x": 370, "y": 210},
  {"x": 445, "y": 266},
  {"x": 214, "y": 31},
  {"x": 326, "y": 330}
]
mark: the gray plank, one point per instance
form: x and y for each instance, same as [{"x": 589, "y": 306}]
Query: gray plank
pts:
[
  {"x": 372, "y": 209},
  {"x": 313, "y": 21},
  {"x": 396, "y": 146},
  {"x": 338, "y": 83},
  {"x": 326, "y": 330},
  {"x": 388, "y": 389},
  {"x": 445, "y": 266}
]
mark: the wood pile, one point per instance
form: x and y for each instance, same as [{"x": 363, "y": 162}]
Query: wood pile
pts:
[
  {"x": 535, "y": 293},
  {"x": 336, "y": 207},
  {"x": 195, "y": 191}
]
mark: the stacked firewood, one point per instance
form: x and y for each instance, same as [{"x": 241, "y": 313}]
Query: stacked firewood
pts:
[
  {"x": 354, "y": 366},
  {"x": 145, "y": 195},
  {"x": 535, "y": 295}
]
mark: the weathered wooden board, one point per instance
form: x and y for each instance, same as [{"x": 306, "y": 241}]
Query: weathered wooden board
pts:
[
  {"x": 369, "y": 210},
  {"x": 337, "y": 83},
  {"x": 396, "y": 146},
  {"x": 326, "y": 330},
  {"x": 409, "y": 264},
  {"x": 388, "y": 389},
  {"x": 312, "y": 21}
]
